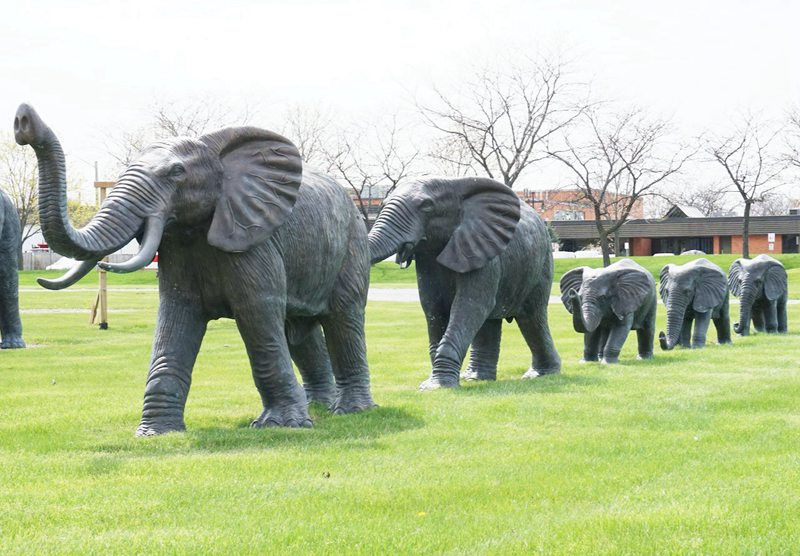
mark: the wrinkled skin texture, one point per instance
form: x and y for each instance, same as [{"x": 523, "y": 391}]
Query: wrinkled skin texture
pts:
[
  {"x": 762, "y": 288},
  {"x": 10, "y": 323},
  {"x": 481, "y": 256},
  {"x": 237, "y": 237},
  {"x": 694, "y": 294},
  {"x": 606, "y": 304}
]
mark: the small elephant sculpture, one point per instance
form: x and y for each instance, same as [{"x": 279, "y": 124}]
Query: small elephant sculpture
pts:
[
  {"x": 10, "y": 323},
  {"x": 481, "y": 256},
  {"x": 607, "y": 303},
  {"x": 242, "y": 232},
  {"x": 694, "y": 292},
  {"x": 762, "y": 288}
]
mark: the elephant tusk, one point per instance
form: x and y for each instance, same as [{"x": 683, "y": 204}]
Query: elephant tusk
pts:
[
  {"x": 153, "y": 229},
  {"x": 74, "y": 274}
]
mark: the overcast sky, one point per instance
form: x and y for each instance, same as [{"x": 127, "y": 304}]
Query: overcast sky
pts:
[{"x": 92, "y": 67}]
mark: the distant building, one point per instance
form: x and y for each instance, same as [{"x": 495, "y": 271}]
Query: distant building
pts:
[
  {"x": 569, "y": 204},
  {"x": 682, "y": 229}
]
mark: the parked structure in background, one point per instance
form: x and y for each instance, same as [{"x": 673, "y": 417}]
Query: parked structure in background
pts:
[
  {"x": 682, "y": 230},
  {"x": 571, "y": 204}
]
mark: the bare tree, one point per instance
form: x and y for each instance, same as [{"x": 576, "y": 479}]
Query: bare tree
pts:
[
  {"x": 173, "y": 118},
  {"x": 751, "y": 163},
  {"x": 500, "y": 122},
  {"x": 624, "y": 158},
  {"x": 19, "y": 175},
  {"x": 776, "y": 203},
  {"x": 793, "y": 157},
  {"x": 308, "y": 127},
  {"x": 371, "y": 161},
  {"x": 709, "y": 199}
]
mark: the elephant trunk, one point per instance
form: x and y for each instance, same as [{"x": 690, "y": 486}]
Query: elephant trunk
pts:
[
  {"x": 745, "y": 307},
  {"x": 577, "y": 314},
  {"x": 117, "y": 221},
  {"x": 675, "y": 315},
  {"x": 394, "y": 231},
  {"x": 588, "y": 314}
]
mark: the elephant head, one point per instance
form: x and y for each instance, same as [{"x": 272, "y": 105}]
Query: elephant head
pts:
[
  {"x": 749, "y": 280},
  {"x": 699, "y": 284},
  {"x": 592, "y": 294},
  {"x": 241, "y": 183},
  {"x": 465, "y": 222}
]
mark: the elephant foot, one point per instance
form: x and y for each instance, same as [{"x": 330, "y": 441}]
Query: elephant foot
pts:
[
  {"x": 610, "y": 360},
  {"x": 155, "y": 428},
  {"x": 353, "y": 399},
  {"x": 536, "y": 373},
  {"x": 325, "y": 394},
  {"x": 292, "y": 416},
  {"x": 437, "y": 382},
  {"x": 648, "y": 355},
  {"x": 12, "y": 342},
  {"x": 479, "y": 374}
]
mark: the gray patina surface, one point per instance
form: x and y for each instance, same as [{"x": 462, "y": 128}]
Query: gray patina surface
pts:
[
  {"x": 10, "y": 323},
  {"x": 761, "y": 284}
]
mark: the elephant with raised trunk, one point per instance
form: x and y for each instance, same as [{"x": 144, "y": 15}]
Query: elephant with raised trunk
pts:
[
  {"x": 696, "y": 292},
  {"x": 762, "y": 288},
  {"x": 481, "y": 256},
  {"x": 242, "y": 232},
  {"x": 606, "y": 304}
]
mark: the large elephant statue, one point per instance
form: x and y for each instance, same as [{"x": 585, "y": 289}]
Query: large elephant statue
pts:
[
  {"x": 607, "y": 303},
  {"x": 10, "y": 323},
  {"x": 481, "y": 256},
  {"x": 762, "y": 288},
  {"x": 696, "y": 292},
  {"x": 242, "y": 232}
]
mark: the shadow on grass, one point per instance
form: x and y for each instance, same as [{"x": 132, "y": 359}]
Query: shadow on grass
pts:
[
  {"x": 350, "y": 432},
  {"x": 551, "y": 384}
]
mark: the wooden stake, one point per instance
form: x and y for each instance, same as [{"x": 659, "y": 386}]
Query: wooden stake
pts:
[{"x": 100, "y": 310}]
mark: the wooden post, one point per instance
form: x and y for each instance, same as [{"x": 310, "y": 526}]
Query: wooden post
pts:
[{"x": 100, "y": 309}]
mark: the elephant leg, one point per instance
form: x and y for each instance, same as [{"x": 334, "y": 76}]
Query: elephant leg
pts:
[
  {"x": 544, "y": 356},
  {"x": 312, "y": 361},
  {"x": 616, "y": 339},
  {"x": 771, "y": 317},
  {"x": 10, "y": 323},
  {"x": 180, "y": 327},
  {"x": 758, "y": 316},
  {"x": 437, "y": 325},
  {"x": 344, "y": 334},
  {"x": 701, "y": 322},
  {"x": 645, "y": 337},
  {"x": 472, "y": 304},
  {"x": 593, "y": 345},
  {"x": 781, "y": 314},
  {"x": 485, "y": 352},
  {"x": 261, "y": 324},
  {"x": 723, "y": 325},
  {"x": 602, "y": 333},
  {"x": 686, "y": 332}
]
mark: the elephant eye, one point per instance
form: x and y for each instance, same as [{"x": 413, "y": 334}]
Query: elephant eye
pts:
[
  {"x": 426, "y": 206},
  {"x": 177, "y": 170}
]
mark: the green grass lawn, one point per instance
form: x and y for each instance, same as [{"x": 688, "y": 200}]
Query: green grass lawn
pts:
[{"x": 692, "y": 452}]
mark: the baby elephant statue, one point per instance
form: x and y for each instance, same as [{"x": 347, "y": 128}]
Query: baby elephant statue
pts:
[
  {"x": 607, "y": 303},
  {"x": 696, "y": 291},
  {"x": 242, "y": 232},
  {"x": 761, "y": 286},
  {"x": 10, "y": 323},
  {"x": 481, "y": 256}
]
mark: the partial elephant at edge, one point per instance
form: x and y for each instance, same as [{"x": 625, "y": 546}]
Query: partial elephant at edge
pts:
[{"x": 10, "y": 322}]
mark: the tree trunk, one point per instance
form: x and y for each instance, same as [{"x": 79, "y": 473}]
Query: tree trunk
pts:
[
  {"x": 746, "y": 231},
  {"x": 604, "y": 248}
]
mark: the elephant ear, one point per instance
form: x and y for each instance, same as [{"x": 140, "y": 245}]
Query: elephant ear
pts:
[
  {"x": 632, "y": 287},
  {"x": 262, "y": 173},
  {"x": 571, "y": 280},
  {"x": 490, "y": 213},
  {"x": 775, "y": 282},
  {"x": 663, "y": 282},
  {"x": 735, "y": 275},
  {"x": 710, "y": 290}
]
